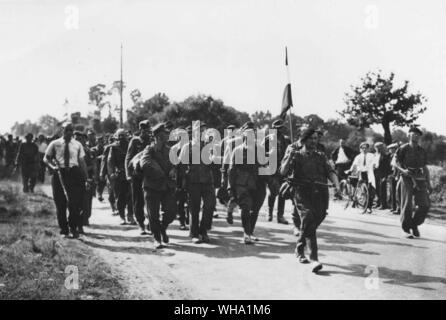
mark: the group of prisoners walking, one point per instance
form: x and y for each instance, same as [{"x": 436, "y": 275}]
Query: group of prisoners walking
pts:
[{"x": 148, "y": 190}]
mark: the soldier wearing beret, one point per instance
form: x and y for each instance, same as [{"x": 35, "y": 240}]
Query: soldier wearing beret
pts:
[
  {"x": 411, "y": 162},
  {"x": 275, "y": 180},
  {"x": 159, "y": 184},
  {"x": 310, "y": 173},
  {"x": 137, "y": 145}
]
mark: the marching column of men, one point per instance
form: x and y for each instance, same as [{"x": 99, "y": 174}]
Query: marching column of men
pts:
[{"x": 141, "y": 177}]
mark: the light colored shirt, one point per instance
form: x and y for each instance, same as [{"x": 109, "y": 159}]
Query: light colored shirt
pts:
[
  {"x": 365, "y": 163},
  {"x": 57, "y": 149},
  {"x": 42, "y": 147},
  {"x": 342, "y": 157}
]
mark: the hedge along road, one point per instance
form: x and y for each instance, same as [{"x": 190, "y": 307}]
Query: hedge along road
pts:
[{"x": 364, "y": 257}]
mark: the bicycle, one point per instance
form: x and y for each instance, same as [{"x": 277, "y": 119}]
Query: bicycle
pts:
[{"x": 356, "y": 192}]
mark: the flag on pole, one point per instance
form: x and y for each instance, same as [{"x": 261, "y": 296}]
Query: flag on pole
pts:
[{"x": 287, "y": 100}]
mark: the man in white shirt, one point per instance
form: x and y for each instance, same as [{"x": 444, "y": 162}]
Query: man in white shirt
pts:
[
  {"x": 364, "y": 164},
  {"x": 65, "y": 156}
]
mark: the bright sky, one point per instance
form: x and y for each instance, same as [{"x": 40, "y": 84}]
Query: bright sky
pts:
[{"x": 233, "y": 50}]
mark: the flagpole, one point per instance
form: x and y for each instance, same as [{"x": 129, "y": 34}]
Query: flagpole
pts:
[
  {"x": 120, "y": 90},
  {"x": 289, "y": 82}
]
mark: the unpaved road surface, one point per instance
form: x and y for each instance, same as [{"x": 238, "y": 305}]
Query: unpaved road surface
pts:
[{"x": 364, "y": 257}]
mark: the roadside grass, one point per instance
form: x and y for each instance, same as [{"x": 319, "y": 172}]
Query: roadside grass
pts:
[
  {"x": 438, "y": 196},
  {"x": 36, "y": 263}
]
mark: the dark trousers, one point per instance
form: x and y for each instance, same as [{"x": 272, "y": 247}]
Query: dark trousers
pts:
[
  {"x": 154, "y": 199},
  {"x": 111, "y": 194},
  {"x": 138, "y": 199},
  {"x": 197, "y": 193},
  {"x": 340, "y": 170},
  {"x": 274, "y": 184},
  {"x": 75, "y": 187},
  {"x": 250, "y": 201},
  {"x": 181, "y": 197},
  {"x": 42, "y": 168},
  {"x": 409, "y": 217},
  {"x": 393, "y": 202},
  {"x": 381, "y": 189},
  {"x": 124, "y": 198},
  {"x": 311, "y": 206},
  {"x": 87, "y": 206},
  {"x": 365, "y": 178},
  {"x": 101, "y": 186},
  {"x": 29, "y": 177}
]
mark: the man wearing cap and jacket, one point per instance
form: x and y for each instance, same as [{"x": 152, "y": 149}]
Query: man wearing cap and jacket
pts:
[
  {"x": 228, "y": 145},
  {"x": 29, "y": 160},
  {"x": 199, "y": 183},
  {"x": 310, "y": 170},
  {"x": 275, "y": 180},
  {"x": 137, "y": 145},
  {"x": 116, "y": 172},
  {"x": 411, "y": 162},
  {"x": 245, "y": 183},
  {"x": 159, "y": 184}
]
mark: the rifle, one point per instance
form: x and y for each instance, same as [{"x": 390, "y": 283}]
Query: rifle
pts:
[{"x": 59, "y": 174}]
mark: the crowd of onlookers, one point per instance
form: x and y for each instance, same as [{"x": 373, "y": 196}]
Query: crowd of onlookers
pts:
[{"x": 375, "y": 164}]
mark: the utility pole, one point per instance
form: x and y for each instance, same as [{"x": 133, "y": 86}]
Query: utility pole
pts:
[{"x": 121, "y": 87}]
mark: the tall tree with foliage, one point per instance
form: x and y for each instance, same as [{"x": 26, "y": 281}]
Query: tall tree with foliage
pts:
[{"x": 377, "y": 100}]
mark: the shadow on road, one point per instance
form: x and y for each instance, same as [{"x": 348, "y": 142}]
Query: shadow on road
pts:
[{"x": 389, "y": 276}]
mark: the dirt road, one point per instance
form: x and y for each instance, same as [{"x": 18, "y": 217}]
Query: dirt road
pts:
[{"x": 364, "y": 257}]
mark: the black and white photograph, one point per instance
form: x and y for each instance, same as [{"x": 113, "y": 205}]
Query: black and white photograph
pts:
[{"x": 237, "y": 153}]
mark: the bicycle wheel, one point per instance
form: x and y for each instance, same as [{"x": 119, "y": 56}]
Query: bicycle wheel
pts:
[
  {"x": 362, "y": 197},
  {"x": 344, "y": 189}
]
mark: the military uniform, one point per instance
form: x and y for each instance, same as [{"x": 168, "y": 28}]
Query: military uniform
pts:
[
  {"x": 199, "y": 183},
  {"x": 159, "y": 185},
  {"x": 136, "y": 146},
  {"x": 228, "y": 146},
  {"x": 29, "y": 161},
  {"x": 413, "y": 158},
  {"x": 105, "y": 178},
  {"x": 310, "y": 172},
  {"x": 121, "y": 187},
  {"x": 92, "y": 178},
  {"x": 248, "y": 187},
  {"x": 275, "y": 180}
]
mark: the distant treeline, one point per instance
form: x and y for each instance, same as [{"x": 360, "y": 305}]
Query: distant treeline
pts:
[{"x": 218, "y": 115}]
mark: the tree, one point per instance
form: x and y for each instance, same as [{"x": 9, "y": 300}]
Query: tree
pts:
[
  {"x": 96, "y": 96},
  {"x": 205, "y": 108},
  {"x": 377, "y": 101},
  {"x": 49, "y": 125},
  {"x": 145, "y": 110},
  {"x": 261, "y": 118}
]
